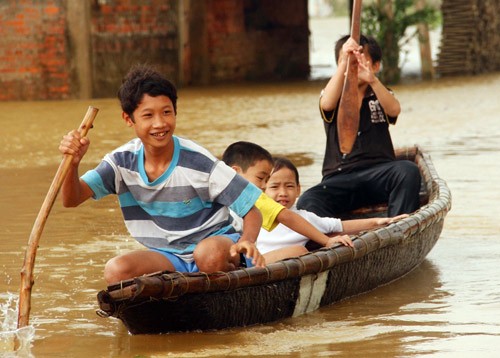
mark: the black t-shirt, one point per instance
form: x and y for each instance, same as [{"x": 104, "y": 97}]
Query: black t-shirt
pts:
[{"x": 373, "y": 144}]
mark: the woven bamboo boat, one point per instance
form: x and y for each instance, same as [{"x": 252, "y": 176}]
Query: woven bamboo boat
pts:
[{"x": 174, "y": 302}]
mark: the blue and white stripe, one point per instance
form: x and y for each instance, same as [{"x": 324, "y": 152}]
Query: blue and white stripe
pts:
[{"x": 187, "y": 203}]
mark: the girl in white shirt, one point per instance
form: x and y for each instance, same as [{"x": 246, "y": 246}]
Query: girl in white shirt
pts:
[{"x": 280, "y": 243}]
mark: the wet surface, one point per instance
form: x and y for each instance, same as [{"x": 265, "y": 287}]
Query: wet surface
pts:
[{"x": 448, "y": 307}]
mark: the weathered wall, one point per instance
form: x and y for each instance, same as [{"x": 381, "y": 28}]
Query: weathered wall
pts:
[
  {"x": 33, "y": 50},
  {"x": 259, "y": 39},
  {"x": 58, "y": 49},
  {"x": 127, "y": 32},
  {"x": 200, "y": 42}
]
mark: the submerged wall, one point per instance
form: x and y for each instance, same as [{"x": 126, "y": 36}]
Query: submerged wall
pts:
[{"x": 59, "y": 49}]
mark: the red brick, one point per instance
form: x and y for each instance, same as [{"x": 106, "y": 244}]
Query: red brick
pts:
[{"x": 51, "y": 10}]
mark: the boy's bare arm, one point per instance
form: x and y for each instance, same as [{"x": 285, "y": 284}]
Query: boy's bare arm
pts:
[
  {"x": 74, "y": 191},
  {"x": 387, "y": 100},
  {"x": 252, "y": 223},
  {"x": 298, "y": 224},
  {"x": 355, "y": 226},
  {"x": 333, "y": 89}
]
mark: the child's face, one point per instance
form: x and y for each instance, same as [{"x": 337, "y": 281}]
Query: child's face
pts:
[
  {"x": 154, "y": 121},
  {"x": 258, "y": 173},
  {"x": 283, "y": 188}
]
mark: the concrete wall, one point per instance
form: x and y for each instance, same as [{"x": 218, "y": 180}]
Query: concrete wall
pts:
[{"x": 58, "y": 49}]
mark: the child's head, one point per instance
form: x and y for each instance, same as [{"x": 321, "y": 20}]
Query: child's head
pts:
[
  {"x": 371, "y": 47},
  {"x": 250, "y": 160},
  {"x": 142, "y": 80},
  {"x": 283, "y": 185}
]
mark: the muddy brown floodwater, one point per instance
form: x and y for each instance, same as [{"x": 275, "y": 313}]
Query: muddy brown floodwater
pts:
[{"x": 448, "y": 307}]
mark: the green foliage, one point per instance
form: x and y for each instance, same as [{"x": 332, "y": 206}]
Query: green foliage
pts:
[
  {"x": 389, "y": 27},
  {"x": 340, "y": 7}
]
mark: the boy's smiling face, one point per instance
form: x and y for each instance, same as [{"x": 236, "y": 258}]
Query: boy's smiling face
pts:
[{"x": 154, "y": 121}]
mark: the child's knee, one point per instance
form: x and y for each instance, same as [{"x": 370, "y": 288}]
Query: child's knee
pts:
[
  {"x": 116, "y": 270},
  {"x": 212, "y": 254}
]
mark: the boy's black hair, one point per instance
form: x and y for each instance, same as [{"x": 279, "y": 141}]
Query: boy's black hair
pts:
[
  {"x": 368, "y": 43},
  {"x": 282, "y": 162},
  {"x": 144, "y": 79},
  {"x": 245, "y": 154}
]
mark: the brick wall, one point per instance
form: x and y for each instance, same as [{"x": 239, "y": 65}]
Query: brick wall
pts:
[
  {"x": 38, "y": 58},
  {"x": 258, "y": 40},
  {"x": 126, "y": 32},
  {"x": 33, "y": 61},
  {"x": 57, "y": 49}
]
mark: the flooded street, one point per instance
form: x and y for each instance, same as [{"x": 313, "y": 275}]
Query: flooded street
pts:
[{"x": 448, "y": 307}]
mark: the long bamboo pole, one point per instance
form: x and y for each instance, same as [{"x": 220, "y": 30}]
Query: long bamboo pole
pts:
[
  {"x": 348, "y": 116},
  {"x": 29, "y": 258}
]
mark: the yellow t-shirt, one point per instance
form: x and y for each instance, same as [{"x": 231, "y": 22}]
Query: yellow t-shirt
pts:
[{"x": 269, "y": 210}]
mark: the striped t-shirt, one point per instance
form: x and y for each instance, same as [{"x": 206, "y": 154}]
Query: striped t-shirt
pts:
[{"x": 187, "y": 203}]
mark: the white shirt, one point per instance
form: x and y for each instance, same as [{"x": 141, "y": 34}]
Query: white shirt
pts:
[{"x": 282, "y": 236}]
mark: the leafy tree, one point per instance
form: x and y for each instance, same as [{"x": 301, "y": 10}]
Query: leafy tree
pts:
[{"x": 388, "y": 21}]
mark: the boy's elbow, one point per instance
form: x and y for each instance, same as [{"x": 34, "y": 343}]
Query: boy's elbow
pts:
[
  {"x": 72, "y": 197},
  {"x": 394, "y": 114},
  {"x": 326, "y": 104},
  {"x": 394, "y": 111},
  {"x": 398, "y": 109},
  {"x": 69, "y": 204}
]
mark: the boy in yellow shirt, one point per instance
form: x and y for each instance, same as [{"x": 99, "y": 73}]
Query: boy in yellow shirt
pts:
[{"x": 255, "y": 164}]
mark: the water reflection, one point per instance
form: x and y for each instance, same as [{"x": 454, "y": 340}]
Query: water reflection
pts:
[{"x": 384, "y": 314}]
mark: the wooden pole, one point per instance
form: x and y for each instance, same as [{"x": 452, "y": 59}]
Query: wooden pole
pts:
[
  {"x": 29, "y": 258},
  {"x": 348, "y": 116}
]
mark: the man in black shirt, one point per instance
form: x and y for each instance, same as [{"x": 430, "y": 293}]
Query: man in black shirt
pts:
[{"x": 369, "y": 174}]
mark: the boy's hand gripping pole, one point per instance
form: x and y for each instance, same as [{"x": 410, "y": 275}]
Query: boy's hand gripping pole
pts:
[
  {"x": 29, "y": 258},
  {"x": 348, "y": 115}
]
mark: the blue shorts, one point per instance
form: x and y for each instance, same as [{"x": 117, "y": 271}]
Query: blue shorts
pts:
[{"x": 183, "y": 266}]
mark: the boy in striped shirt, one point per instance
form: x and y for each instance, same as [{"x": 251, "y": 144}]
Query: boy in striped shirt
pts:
[{"x": 175, "y": 196}]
